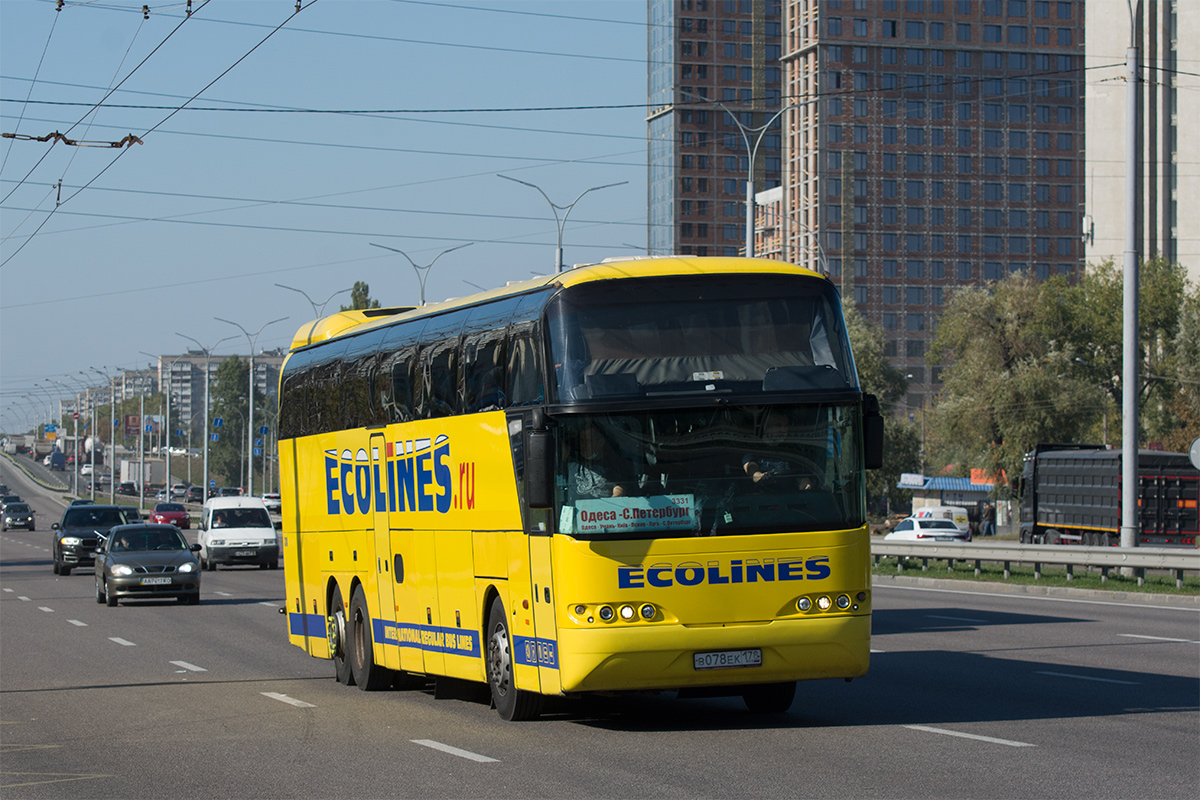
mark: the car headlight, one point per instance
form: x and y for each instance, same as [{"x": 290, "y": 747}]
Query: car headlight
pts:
[
  {"x": 122, "y": 569},
  {"x": 217, "y": 543},
  {"x": 189, "y": 567},
  {"x": 74, "y": 540}
]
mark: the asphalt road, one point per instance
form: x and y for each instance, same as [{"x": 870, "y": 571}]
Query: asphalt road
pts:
[{"x": 970, "y": 694}]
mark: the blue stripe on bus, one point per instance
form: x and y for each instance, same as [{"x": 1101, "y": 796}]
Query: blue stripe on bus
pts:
[
  {"x": 431, "y": 638},
  {"x": 306, "y": 625},
  {"x": 535, "y": 652}
]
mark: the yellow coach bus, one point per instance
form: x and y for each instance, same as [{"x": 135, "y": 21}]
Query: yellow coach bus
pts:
[{"x": 638, "y": 475}]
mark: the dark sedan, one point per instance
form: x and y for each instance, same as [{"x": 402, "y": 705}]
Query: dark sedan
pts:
[
  {"x": 78, "y": 535},
  {"x": 147, "y": 562},
  {"x": 18, "y": 515}
]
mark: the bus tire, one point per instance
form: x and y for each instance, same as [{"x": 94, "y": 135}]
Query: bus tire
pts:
[
  {"x": 769, "y": 698},
  {"x": 369, "y": 676},
  {"x": 511, "y": 703},
  {"x": 335, "y": 634}
]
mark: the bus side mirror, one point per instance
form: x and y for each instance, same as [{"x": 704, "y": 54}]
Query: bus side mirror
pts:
[
  {"x": 539, "y": 464},
  {"x": 872, "y": 433}
]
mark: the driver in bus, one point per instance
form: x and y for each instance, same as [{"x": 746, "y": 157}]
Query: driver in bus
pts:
[
  {"x": 770, "y": 472},
  {"x": 593, "y": 467}
]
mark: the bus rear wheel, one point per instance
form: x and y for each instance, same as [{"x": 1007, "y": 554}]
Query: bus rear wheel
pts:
[
  {"x": 769, "y": 698},
  {"x": 335, "y": 634},
  {"x": 369, "y": 676},
  {"x": 511, "y": 703}
]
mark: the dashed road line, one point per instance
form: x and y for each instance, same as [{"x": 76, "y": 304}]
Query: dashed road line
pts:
[
  {"x": 120, "y": 641},
  {"x": 283, "y": 698},
  {"x": 454, "y": 751},
  {"x": 47, "y": 609},
  {"x": 1088, "y": 678},
  {"x": 77, "y": 623},
  {"x": 1158, "y": 638},
  {"x": 975, "y": 736},
  {"x": 189, "y": 667}
]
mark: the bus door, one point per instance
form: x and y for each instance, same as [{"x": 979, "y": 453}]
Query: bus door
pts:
[
  {"x": 384, "y": 581},
  {"x": 542, "y": 650}
]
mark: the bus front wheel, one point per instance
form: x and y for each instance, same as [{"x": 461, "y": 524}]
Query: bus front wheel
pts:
[
  {"x": 335, "y": 633},
  {"x": 511, "y": 703},
  {"x": 369, "y": 676}
]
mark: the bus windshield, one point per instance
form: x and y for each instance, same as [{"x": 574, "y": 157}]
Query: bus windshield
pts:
[
  {"x": 711, "y": 472},
  {"x": 729, "y": 334}
]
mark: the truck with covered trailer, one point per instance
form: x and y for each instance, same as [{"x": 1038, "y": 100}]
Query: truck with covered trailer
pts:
[{"x": 1072, "y": 494}]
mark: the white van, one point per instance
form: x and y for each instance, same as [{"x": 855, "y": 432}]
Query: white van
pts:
[
  {"x": 956, "y": 514},
  {"x": 237, "y": 530}
]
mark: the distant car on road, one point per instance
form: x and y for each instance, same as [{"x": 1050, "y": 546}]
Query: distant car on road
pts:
[
  {"x": 9, "y": 498},
  {"x": 127, "y": 488},
  {"x": 147, "y": 562},
  {"x": 86, "y": 469},
  {"x": 17, "y": 515},
  {"x": 273, "y": 502},
  {"x": 914, "y": 529},
  {"x": 227, "y": 491},
  {"x": 179, "y": 491},
  {"x": 195, "y": 494},
  {"x": 171, "y": 514}
]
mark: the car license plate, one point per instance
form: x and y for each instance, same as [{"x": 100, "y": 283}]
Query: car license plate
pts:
[
  {"x": 155, "y": 581},
  {"x": 243, "y": 553},
  {"x": 728, "y": 659}
]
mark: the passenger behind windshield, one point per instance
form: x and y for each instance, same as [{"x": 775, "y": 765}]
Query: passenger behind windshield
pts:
[
  {"x": 242, "y": 518},
  {"x": 594, "y": 469}
]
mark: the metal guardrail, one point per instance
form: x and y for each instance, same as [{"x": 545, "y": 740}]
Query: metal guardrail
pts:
[{"x": 1070, "y": 556}]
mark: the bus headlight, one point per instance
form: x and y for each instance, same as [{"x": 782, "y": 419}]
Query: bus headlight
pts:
[
  {"x": 843, "y": 602},
  {"x": 804, "y": 604},
  {"x": 823, "y": 602},
  {"x": 605, "y": 613},
  {"x": 627, "y": 613},
  {"x": 648, "y": 611}
]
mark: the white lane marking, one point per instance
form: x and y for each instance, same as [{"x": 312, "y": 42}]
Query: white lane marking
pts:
[
  {"x": 77, "y": 623},
  {"x": 47, "y": 609},
  {"x": 190, "y": 667},
  {"x": 885, "y": 587},
  {"x": 283, "y": 698},
  {"x": 269, "y": 604},
  {"x": 1158, "y": 638},
  {"x": 1088, "y": 678},
  {"x": 223, "y": 594},
  {"x": 878, "y": 651},
  {"x": 23, "y": 598},
  {"x": 992, "y": 739},
  {"x": 954, "y": 619},
  {"x": 454, "y": 751},
  {"x": 120, "y": 641},
  {"x": 7, "y": 589}
]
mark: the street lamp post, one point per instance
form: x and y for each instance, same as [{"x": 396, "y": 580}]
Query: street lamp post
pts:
[
  {"x": 318, "y": 310},
  {"x": 207, "y": 378},
  {"x": 421, "y": 276},
  {"x": 561, "y": 223},
  {"x": 752, "y": 151},
  {"x": 112, "y": 434},
  {"x": 253, "y": 340}
]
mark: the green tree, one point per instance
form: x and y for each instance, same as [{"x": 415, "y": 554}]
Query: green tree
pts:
[
  {"x": 1013, "y": 380},
  {"x": 360, "y": 298},
  {"x": 902, "y": 443},
  {"x": 230, "y": 402}
]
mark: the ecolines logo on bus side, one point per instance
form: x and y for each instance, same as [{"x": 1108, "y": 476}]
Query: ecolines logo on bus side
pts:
[
  {"x": 412, "y": 476},
  {"x": 737, "y": 570}
]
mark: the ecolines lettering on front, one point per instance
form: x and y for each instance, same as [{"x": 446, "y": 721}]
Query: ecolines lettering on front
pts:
[
  {"x": 411, "y": 476},
  {"x": 715, "y": 573}
]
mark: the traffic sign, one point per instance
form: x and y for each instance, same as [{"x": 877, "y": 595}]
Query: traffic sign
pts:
[
  {"x": 258, "y": 451},
  {"x": 218, "y": 422},
  {"x": 216, "y": 436}
]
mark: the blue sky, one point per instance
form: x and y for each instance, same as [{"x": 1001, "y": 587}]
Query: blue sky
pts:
[{"x": 215, "y": 207}]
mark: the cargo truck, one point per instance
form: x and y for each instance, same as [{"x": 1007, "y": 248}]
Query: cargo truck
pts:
[
  {"x": 154, "y": 476},
  {"x": 1072, "y": 494}
]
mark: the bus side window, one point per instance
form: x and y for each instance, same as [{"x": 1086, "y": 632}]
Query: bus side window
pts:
[
  {"x": 439, "y": 356},
  {"x": 526, "y": 374}
]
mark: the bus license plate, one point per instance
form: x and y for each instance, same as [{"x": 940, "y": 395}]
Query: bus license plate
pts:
[
  {"x": 728, "y": 659},
  {"x": 155, "y": 581}
]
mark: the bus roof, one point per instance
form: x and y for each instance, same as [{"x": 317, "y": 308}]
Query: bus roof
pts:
[{"x": 344, "y": 322}]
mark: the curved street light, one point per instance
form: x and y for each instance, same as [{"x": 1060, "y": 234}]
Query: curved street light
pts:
[
  {"x": 422, "y": 276},
  {"x": 561, "y": 223},
  {"x": 207, "y": 378},
  {"x": 253, "y": 340},
  {"x": 318, "y": 310}
]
